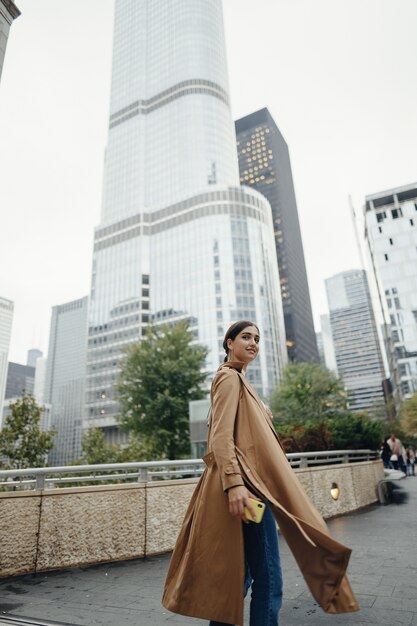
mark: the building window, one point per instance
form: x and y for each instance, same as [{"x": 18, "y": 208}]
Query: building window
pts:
[
  {"x": 380, "y": 229},
  {"x": 391, "y": 241},
  {"x": 411, "y": 222},
  {"x": 396, "y": 213},
  {"x": 386, "y": 257},
  {"x": 380, "y": 216}
]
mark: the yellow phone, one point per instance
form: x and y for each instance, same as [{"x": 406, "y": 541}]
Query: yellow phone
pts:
[{"x": 259, "y": 510}]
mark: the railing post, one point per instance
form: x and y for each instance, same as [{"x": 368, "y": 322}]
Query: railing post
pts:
[
  {"x": 345, "y": 458},
  {"x": 40, "y": 482},
  {"x": 303, "y": 461},
  {"x": 143, "y": 475}
]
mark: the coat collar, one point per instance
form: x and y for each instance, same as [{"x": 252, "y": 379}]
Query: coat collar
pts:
[{"x": 236, "y": 365}]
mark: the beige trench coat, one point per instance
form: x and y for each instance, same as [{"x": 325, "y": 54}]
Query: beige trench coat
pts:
[{"x": 206, "y": 574}]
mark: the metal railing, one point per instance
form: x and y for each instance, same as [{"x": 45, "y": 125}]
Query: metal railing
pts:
[{"x": 147, "y": 471}]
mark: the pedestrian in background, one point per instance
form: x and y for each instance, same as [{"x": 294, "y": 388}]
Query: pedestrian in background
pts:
[
  {"x": 411, "y": 459},
  {"x": 385, "y": 453},
  {"x": 397, "y": 453}
]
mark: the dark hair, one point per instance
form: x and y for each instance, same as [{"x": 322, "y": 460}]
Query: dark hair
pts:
[{"x": 233, "y": 332}]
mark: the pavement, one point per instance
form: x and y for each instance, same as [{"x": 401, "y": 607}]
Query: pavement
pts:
[{"x": 382, "y": 571}]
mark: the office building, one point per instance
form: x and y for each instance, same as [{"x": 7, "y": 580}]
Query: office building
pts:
[
  {"x": 320, "y": 349},
  {"x": 32, "y": 356},
  {"x": 177, "y": 232},
  {"x": 65, "y": 378},
  {"x": 20, "y": 380},
  {"x": 264, "y": 165},
  {"x": 8, "y": 13},
  {"x": 39, "y": 383},
  {"x": 329, "y": 358},
  {"x": 391, "y": 235},
  {"x": 355, "y": 339},
  {"x": 6, "y": 319}
]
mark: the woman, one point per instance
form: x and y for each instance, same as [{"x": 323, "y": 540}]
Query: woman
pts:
[{"x": 216, "y": 555}]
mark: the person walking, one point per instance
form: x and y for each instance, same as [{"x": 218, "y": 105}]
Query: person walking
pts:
[
  {"x": 219, "y": 555},
  {"x": 411, "y": 459},
  {"x": 397, "y": 453},
  {"x": 385, "y": 453}
]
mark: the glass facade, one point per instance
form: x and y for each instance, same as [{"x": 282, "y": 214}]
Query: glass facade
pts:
[
  {"x": 178, "y": 237},
  {"x": 6, "y": 319},
  {"x": 355, "y": 339},
  {"x": 8, "y": 12},
  {"x": 65, "y": 379},
  {"x": 264, "y": 165}
]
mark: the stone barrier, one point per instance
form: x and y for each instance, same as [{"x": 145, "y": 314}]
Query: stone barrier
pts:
[{"x": 61, "y": 528}]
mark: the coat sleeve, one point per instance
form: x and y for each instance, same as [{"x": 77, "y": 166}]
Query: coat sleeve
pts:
[{"x": 226, "y": 392}]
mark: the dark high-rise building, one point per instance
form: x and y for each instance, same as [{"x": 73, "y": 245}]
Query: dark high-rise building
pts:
[
  {"x": 20, "y": 379},
  {"x": 264, "y": 163}
]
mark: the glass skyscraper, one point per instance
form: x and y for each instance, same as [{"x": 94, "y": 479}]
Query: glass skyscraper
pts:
[
  {"x": 355, "y": 339},
  {"x": 6, "y": 319},
  {"x": 8, "y": 13},
  {"x": 264, "y": 165},
  {"x": 178, "y": 236},
  {"x": 65, "y": 379}
]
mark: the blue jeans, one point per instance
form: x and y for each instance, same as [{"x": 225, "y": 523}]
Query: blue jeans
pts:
[{"x": 263, "y": 571}]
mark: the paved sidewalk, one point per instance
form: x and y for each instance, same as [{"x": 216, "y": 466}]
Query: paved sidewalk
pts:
[{"x": 383, "y": 573}]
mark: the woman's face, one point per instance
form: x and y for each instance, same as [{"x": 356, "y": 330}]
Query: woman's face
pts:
[{"x": 245, "y": 346}]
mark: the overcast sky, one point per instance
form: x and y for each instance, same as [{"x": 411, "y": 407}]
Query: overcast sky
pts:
[{"x": 338, "y": 76}]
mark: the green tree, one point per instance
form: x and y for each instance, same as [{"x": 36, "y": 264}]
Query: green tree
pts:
[
  {"x": 95, "y": 450},
  {"x": 309, "y": 436},
  {"x": 137, "y": 449},
  {"x": 159, "y": 376},
  {"x": 355, "y": 431},
  {"x": 307, "y": 392},
  {"x": 409, "y": 416},
  {"x": 21, "y": 439}
]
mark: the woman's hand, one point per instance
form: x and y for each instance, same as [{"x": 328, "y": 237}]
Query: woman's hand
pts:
[{"x": 238, "y": 499}]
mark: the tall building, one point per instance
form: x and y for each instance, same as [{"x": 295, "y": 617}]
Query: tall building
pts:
[
  {"x": 264, "y": 164},
  {"x": 177, "y": 232},
  {"x": 8, "y": 12},
  {"x": 329, "y": 358},
  {"x": 20, "y": 379},
  {"x": 6, "y": 319},
  {"x": 391, "y": 235},
  {"x": 355, "y": 339},
  {"x": 65, "y": 378},
  {"x": 32, "y": 356},
  {"x": 39, "y": 384}
]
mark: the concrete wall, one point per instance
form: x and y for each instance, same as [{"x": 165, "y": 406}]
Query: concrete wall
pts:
[{"x": 60, "y": 528}]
